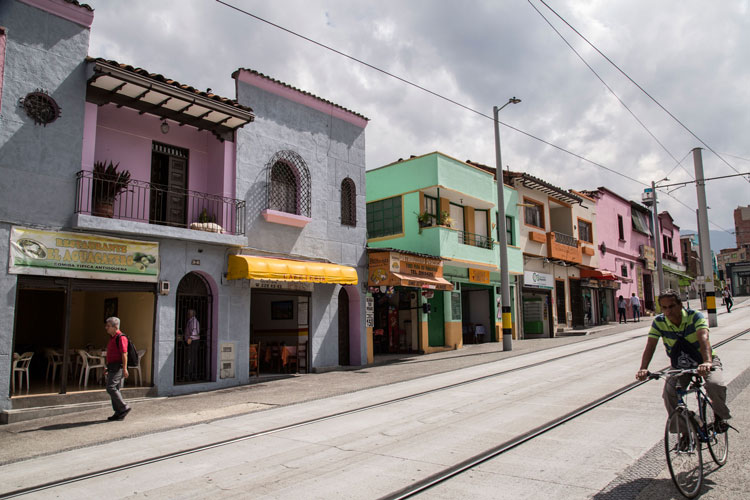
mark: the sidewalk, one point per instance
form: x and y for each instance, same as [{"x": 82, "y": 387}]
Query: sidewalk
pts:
[{"x": 88, "y": 427}]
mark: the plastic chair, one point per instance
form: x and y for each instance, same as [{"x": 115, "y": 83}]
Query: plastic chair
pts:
[
  {"x": 136, "y": 370},
  {"x": 302, "y": 356},
  {"x": 255, "y": 359},
  {"x": 292, "y": 360},
  {"x": 54, "y": 359},
  {"x": 89, "y": 363},
  {"x": 21, "y": 366}
]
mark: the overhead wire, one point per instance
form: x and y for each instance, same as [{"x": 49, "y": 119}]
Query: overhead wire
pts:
[{"x": 653, "y": 99}]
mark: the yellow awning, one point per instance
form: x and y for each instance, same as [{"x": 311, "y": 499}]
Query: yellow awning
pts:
[{"x": 263, "y": 268}]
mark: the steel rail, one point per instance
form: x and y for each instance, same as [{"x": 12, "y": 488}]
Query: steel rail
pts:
[{"x": 487, "y": 455}]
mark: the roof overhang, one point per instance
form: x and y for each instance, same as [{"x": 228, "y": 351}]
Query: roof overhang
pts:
[
  {"x": 113, "y": 84},
  {"x": 555, "y": 192}
]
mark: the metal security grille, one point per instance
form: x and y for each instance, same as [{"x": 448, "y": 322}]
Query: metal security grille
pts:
[
  {"x": 191, "y": 363},
  {"x": 348, "y": 202},
  {"x": 288, "y": 181}
]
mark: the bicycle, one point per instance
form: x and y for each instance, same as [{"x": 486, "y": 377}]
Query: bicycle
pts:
[{"x": 686, "y": 431}]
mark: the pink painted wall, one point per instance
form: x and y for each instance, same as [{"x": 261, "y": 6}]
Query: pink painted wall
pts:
[
  {"x": 122, "y": 135},
  {"x": 668, "y": 228}
]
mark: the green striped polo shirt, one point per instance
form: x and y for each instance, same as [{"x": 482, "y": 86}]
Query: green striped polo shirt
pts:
[{"x": 692, "y": 321}]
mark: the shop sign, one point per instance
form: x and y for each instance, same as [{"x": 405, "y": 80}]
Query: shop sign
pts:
[
  {"x": 382, "y": 265},
  {"x": 532, "y": 279},
  {"x": 479, "y": 276},
  {"x": 649, "y": 255},
  {"x": 299, "y": 286},
  {"x": 80, "y": 255},
  {"x": 369, "y": 312}
]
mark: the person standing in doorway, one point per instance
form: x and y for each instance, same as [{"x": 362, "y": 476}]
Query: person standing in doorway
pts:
[
  {"x": 117, "y": 367},
  {"x": 727, "y": 298},
  {"x": 192, "y": 336},
  {"x": 621, "y": 307},
  {"x": 635, "y": 303}
]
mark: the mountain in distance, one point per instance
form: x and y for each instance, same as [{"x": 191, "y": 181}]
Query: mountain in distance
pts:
[{"x": 719, "y": 239}]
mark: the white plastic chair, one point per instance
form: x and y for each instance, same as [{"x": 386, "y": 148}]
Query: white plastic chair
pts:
[
  {"x": 54, "y": 359},
  {"x": 137, "y": 369},
  {"x": 89, "y": 363},
  {"x": 21, "y": 366}
]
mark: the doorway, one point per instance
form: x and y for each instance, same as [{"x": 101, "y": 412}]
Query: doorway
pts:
[
  {"x": 168, "y": 200},
  {"x": 436, "y": 321},
  {"x": 343, "y": 328},
  {"x": 576, "y": 304},
  {"x": 194, "y": 314}
]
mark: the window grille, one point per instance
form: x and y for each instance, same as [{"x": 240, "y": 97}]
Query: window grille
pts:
[
  {"x": 348, "y": 202},
  {"x": 288, "y": 181}
]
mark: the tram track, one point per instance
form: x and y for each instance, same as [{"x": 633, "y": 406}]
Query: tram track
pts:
[{"x": 413, "y": 489}]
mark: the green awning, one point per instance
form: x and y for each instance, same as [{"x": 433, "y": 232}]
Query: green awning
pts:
[{"x": 681, "y": 275}]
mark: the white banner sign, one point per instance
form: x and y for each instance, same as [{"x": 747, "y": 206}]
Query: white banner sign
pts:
[{"x": 532, "y": 279}]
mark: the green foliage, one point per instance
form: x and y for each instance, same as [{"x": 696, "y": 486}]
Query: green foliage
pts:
[{"x": 108, "y": 182}]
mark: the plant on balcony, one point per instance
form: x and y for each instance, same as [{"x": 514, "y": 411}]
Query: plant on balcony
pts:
[
  {"x": 207, "y": 222},
  {"x": 425, "y": 219},
  {"x": 107, "y": 185},
  {"x": 445, "y": 219}
]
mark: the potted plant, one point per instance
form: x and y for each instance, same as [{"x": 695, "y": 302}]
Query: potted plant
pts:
[
  {"x": 425, "y": 219},
  {"x": 446, "y": 219},
  {"x": 107, "y": 185}
]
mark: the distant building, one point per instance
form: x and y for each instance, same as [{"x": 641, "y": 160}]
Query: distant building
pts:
[{"x": 742, "y": 226}]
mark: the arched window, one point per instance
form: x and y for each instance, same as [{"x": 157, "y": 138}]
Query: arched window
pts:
[
  {"x": 348, "y": 202},
  {"x": 288, "y": 184}
]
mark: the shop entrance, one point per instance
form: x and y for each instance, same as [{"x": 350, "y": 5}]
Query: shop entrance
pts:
[
  {"x": 476, "y": 314},
  {"x": 343, "y": 328},
  {"x": 436, "y": 321},
  {"x": 279, "y": 329},
  {"x": 537, "y": 313},
  {"x": 576, "y": 303},
  {"x": 59, "y": 332},
  {"x": 193, "y": 315},
  {"x": 395, "y": 318}
]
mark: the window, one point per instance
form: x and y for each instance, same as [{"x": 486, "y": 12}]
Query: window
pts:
[
  {"x": 624, "y": 271},
  {"x": 585, "y": 232},
  {"x": 430, "y": 208},
  {"x": 348, "y": 202},
  {"x": 620, "y": 227},
  {"x": 384, "y": 217},
  {"x": 509, "y": 230},
  {"x": 533, "y": 213},
  {"x": 288, "y": 181}
]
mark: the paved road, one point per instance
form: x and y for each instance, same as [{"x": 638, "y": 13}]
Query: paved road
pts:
[{"x": 368, "y": 455}]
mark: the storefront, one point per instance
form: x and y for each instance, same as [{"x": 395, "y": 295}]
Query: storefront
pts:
[
  {"x": 598, "y": 288},
  {"x": 67, "y": 285},
  {"x": 411, "y": 303},
  {"x": 536, "y": 304}
]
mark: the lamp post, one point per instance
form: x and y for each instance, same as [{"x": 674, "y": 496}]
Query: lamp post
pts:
[{"x": 502, "y": 236}]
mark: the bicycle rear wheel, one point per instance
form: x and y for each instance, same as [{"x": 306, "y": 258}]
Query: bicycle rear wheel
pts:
[
  {"x": 718, "y": 442},
  {"x": 683, "y": 449}
]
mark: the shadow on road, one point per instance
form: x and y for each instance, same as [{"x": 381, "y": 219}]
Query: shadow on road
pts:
[{"x": 71, "y": 425}]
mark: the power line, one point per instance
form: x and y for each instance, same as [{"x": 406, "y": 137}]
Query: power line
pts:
[
  {"x": 679, "y": 164},
  {"x": 431, "y": 92},
  {"x": 637, "y": 85},
  {"x": 604, "y": 83}
]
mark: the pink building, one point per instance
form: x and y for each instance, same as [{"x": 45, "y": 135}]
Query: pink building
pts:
[{"x": 625, "y": 247}]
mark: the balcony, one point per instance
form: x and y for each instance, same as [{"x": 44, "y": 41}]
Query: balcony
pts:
[
  {"x": 564, "y": 247},
  {"x": 154, "y": 204},
  {"x": 475, "y": 240},
  {"x": 669, "y": 256}
]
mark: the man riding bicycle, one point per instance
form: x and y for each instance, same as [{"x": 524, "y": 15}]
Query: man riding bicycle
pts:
[{"x": 685, "y": 336}]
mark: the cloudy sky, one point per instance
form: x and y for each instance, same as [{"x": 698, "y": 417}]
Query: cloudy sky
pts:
[{"x": 691, "y": 56}]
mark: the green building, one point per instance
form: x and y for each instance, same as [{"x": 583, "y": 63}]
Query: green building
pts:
[{"x": 434, "y": 277}]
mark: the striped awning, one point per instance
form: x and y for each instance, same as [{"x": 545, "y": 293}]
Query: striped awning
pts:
[{"x": 264, "y": 268}]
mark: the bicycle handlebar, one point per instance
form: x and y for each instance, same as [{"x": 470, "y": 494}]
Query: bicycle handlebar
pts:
[{"x": 675, "y": 371}]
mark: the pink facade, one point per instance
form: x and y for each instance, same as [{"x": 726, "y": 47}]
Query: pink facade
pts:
[
  {"x": 124, "y": 136},
  {"x": 622, "y": 248},
  {"x": 670, "y": 239}
]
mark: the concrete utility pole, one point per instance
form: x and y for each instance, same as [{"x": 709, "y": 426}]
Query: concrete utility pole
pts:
[
  {"x": 657, "y": 240},
  {"x": 502, "y": 236},
  {"x": 700, "y": 187},
  {"x": 701, "y": 269}
]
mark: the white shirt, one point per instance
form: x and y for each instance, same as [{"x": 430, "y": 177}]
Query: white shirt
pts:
[{"x": 634, "y": 301}]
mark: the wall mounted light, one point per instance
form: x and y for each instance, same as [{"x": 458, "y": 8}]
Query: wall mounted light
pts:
[{"x": 164, "y": 127}]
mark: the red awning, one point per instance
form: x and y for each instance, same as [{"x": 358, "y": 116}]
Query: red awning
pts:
[{"x": 598, "y": 274}]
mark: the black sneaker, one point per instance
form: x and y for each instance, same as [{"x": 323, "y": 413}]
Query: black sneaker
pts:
[
  {"x": 123, "y": 414},
  {"x": 113, "y": 417},
  {"x": 720, "y": 425},
  {"x": 684, "y": 445}
]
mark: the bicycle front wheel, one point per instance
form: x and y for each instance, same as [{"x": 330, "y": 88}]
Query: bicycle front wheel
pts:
[
  {"x": 683, "y": 449},
  {"x": 718, "y": 442}
]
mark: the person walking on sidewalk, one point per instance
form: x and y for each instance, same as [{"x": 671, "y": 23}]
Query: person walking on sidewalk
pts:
[
  {"x": 117, "y": 367},
  {"x": 684, "y": 333},
  {"x": 621, "y": 310},
  {"x": 727, "y": 298},
  {"x": 635, "y": 303}
]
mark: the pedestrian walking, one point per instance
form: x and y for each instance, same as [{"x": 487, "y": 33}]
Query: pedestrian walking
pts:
[
  {"x": 192, "y": 336},
  {"x": 117, "y": 367},
  {"x": 727, "y": 298},
  {"x": 621, "y": 310},
  {"x": 635, "y": 303}
]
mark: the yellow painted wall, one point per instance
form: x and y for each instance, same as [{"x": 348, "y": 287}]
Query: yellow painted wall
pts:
[
  {"x": 453, "y": 335},
  {"x": 370, "y": 349}
]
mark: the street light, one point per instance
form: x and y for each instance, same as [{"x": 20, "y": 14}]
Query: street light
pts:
[{"x": 502, "y": 237}]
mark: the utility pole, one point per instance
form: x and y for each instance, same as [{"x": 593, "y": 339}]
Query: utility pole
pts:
[
  {"x": 701, "y": 269},
  {"x": 502, "y": 236},
  {"x": 700, "y": 187},
  {"x": 657, "y": 240}
]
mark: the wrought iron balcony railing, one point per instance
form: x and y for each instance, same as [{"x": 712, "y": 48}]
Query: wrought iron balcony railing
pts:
[
  {"x": 476, "y": 240},
  {"x": 565, "y": 239},
  {"x": 156, "y": 204}
]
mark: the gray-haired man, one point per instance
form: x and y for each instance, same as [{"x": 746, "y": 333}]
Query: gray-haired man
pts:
[{"x": 117, "y": 367}]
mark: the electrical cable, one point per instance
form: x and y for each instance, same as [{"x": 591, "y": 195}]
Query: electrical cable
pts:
[{"x": 637, "y": 85}]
